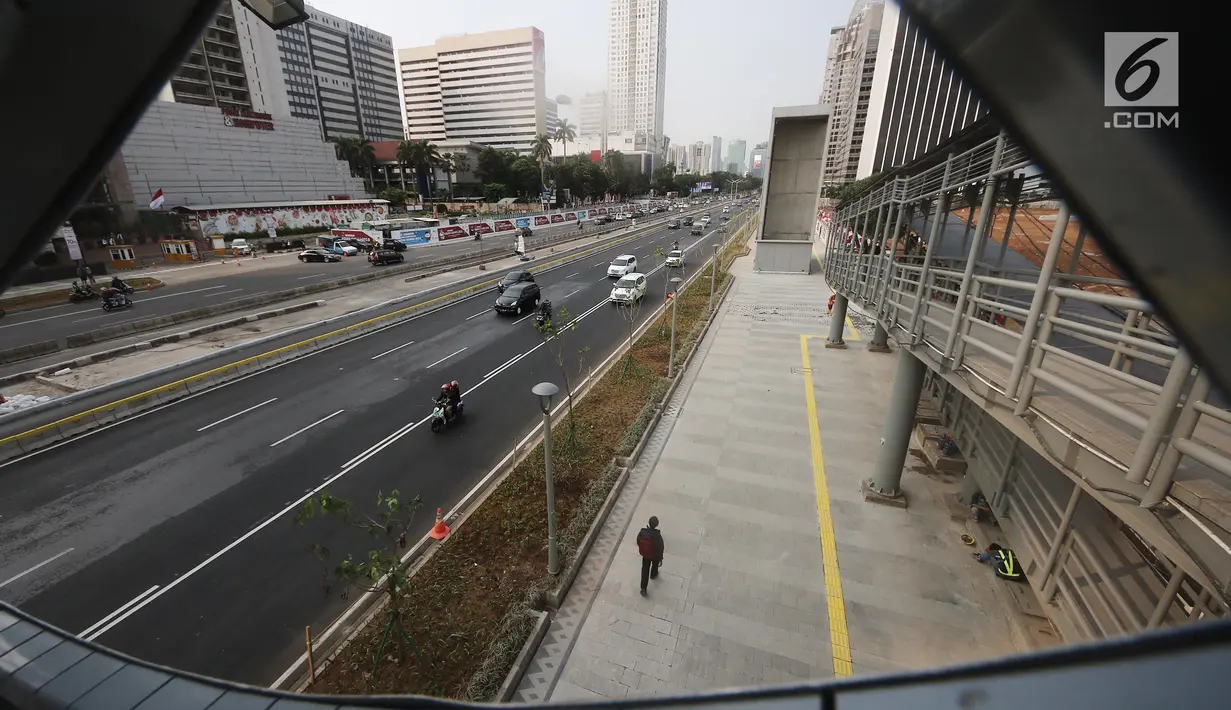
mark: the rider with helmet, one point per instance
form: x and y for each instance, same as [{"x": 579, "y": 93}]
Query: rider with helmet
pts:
[{"x": 450, "y": 397}]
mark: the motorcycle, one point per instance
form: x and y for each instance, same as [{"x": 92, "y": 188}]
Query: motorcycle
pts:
[
  {"x": 122, "y": 287},
  {"x": 439, "y": 421},
  {"x": 113, "y": 299},
  {"x": 543, "y": 316},
  {"x": 85, "y": 294}
]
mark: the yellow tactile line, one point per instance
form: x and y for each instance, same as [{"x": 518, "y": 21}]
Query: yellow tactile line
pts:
[{"x": 839, "y": 640}]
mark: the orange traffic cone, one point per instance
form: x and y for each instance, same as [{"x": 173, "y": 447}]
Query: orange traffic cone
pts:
[
  {"x": 238, "y": 262},
  {"x": 439, "y": 530}
]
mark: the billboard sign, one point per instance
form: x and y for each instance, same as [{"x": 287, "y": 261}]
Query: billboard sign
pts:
[
  {"x": 540, "y": 220},
  {"x": 504, "y": 225},
  {"x": 557, "y": 218},
  {"x": 70, "y": 241},
  {"x": 703, "y": 186},
  {"x": 452, "y": 231},
  {"x": 413, "y": 237},
  {"x": 521, "y": 222},
  {"x": 477, "y": 228},
  {"x": 756, "y": 162},
  {"x": 571, "y": 216}
]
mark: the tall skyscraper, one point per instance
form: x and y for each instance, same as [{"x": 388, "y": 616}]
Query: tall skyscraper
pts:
[
  {"x": 637, "y": 65},
  {"x": 716, "y": 154},
  {"x": 594, "y": 117},
  {"x": 678, "y": 154},
  {"x": 735, "y": 155},
  {"x": 701, "y": 157},
  {"x": 341, "y": 75},
  {"x": 552, "y": 116},
  {"x": 894, "y": 99},
  {"x": 234, "y": 64},
  {"x": 756, "y": 162},
  {"x": 487, "y": 88}
]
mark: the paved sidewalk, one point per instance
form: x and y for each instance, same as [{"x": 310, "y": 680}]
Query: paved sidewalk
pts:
[{"x": 760, "y": 584}]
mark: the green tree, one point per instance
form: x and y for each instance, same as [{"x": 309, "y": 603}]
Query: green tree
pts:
[
  {"x": 423, "y": 156},
  {"x": 494, "y": 165},
  {"x": 565, "y": 132},
  {"x": 555, "y": 331},
  {"x": 664, "y": 178},
  {"x": 405, "y": 156},
  {"x": 495, "y": 191},
  {"x": 396, "y": 196},
  {"x": 527, "y": 177},
  {"x": 381, "y": 569},
  {"x": 459, "y": 162},
  {"x": 541, "y": 151}
]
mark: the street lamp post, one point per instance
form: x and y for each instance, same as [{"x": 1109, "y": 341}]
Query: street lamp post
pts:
[
  {"x": 675, "y": 299},
  {"x": 714, "y": 275},
  {"x": 545, "y": 391}
]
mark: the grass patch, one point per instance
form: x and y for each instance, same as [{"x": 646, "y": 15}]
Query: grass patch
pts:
[
  {"x": 468, "y": 606},
  {"x": 28, "y": 301}
]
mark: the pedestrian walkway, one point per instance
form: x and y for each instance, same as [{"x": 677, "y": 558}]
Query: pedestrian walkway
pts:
[{"x": 764, "y": 581}]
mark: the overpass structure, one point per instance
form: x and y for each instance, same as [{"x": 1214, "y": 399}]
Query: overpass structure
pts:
[{"x": 1097, "y": 441}]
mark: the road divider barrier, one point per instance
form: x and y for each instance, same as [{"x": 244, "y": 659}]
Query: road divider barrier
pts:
[{"x": 55, "y": 432}]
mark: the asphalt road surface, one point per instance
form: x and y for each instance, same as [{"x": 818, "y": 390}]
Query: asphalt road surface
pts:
[
  {"x": 61, "y": 321},
  {"x": 169, "y": 536}
]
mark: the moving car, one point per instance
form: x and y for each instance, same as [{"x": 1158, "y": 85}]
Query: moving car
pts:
[
  {"x": 697, "y": 229},
  {"x": 622, "y": 266},
  {"x": 675, "y": 258},
  {"x": 620, "y": 217},
  {"x": 385, "y": 256},
  {"x": 688, "y": 221},
  {"x": 321, "y": 255},
  {"x": 514, "y": 277},
  {"x": 393, "y": 244},
  {"x": 525, "y": 232},
  {"x": 629, "y": 289},
  {"x": 343, "y": 249},
  {"x": 673, "y": 224},
  {"x": 518, "y": 297}
]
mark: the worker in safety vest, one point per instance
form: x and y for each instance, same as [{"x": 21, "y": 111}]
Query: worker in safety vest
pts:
[{"x": 1003, "y": 561}]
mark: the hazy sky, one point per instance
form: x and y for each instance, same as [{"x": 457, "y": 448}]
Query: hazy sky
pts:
[{"x": 729, "y": 62}]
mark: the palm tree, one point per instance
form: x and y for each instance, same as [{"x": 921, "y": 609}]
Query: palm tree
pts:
[
  {"x": 347, "y": 149},
  {"x": 540, "y": 150},
  {"x": 423, "y": 156},
  {"x": 365, "y": 154},
  {"x": 565, "y": 132},
  {"x": 460, "y": 163},
  {"x": 405, "y": 155}
]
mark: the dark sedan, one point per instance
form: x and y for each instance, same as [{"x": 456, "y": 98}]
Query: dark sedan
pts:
[
  {"x": 385, "y": 256},
  {"x": 518, "y": 298},
  {"x": 514, "y": 277},
  {"x": 318, "y": 255}
]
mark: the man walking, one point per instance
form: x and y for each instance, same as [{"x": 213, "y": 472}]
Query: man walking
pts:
[{"x": 650, "y": 546}]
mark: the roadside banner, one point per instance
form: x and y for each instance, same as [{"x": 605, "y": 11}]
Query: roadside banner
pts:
[
  {"x": 557, "y": 218},
  {"x": 477, "y": 228},
  {"x": 414, "y": 237},
  {"x": 452, "y": 231},
  {"x": 521, "y": 222},
  {"x": 503, "y": 225},
  {"x": 570, "y": 216},
  {"x": 540, "y": 220}
]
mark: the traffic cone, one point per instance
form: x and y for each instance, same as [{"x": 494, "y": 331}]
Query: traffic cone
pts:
[
  {"x": 439, "y": 530},
  {"x": 238, "y": 262}
]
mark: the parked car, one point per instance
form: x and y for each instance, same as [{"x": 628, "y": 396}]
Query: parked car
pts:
[
  {"x": 629, "y": 289},
  {"x": 321, "y": 255},
  {"x": 622, "y": 266},
  {"x": 385, "y": 256},
  {"x": 602, "y": 220},
  {"x": 675, "y": 257},
  {"x": 620, "y": 217},
  {"x": 360, "y": 244},
  {"x": 514, "y": 277},
  {"x": 673, "y": 224},
  {"x": 240, "y": 247},
  {"x": 518, "y": 297}
]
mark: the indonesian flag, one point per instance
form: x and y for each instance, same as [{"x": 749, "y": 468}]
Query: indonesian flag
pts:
[{"x": 159, "y": 198}]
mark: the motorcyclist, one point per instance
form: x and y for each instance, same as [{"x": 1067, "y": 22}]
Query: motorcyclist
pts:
[
  {"x": 455, "y": 395},
  {"x": 118, "y": 284},
  {"x": 675, "y": 245},
  {"x": 80, "y": 290},
  {"x": 445, "y": 400},
  {"x": 545, "y": 310}
]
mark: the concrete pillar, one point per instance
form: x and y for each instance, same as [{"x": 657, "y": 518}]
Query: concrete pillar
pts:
[
  {"x": 885, "y": 484},
  {"x": 880, "y": 340},
  {"x": 837, "y": 323}
]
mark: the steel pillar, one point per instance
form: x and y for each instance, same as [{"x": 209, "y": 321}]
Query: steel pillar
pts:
[
  {"x": 885, "y": 484},
  {"x": 880, "y": 340},
  {"x": 837, "y": 323},
  {"x": 1031, "y": 325}
]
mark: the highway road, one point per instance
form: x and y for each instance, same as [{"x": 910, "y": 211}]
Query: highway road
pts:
[
  {"x": 230, "y": 284},
  {"x": 169, "y": 535}
]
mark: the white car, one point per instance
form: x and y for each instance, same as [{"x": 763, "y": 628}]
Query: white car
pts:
[
  {"x": 622, "y": 266},
  {"x": 675, "y": 258},
  {"x": 629, "y": 289},
  {"x": 347, "y": 249},
  {"x": 621, "y": 217},
  {"x": 240, "y": 247}
]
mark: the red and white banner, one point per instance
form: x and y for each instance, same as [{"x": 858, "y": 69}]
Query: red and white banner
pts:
[{"x": 159, "y": 198}]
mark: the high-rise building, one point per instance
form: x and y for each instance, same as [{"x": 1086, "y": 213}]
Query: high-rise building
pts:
[
  {"x": 593, "y": 114},
  {"x": 756, "y": 162},
  {"x": 828, "y": 82},
  {"x": 700, "y": 157},
  {"x": 678, "y": 154},
  {"x": 343, "y": 76},
  {"x": 735, "y": 155},
  {"x": 716, "y": 154},
  {"x": 894, "y": 99},
  {"x": 552, "y": 114},
  {"x": 487, "y": 88},
  {"x": 233, "y": 65},
  {"x": 637, "y": 65}
]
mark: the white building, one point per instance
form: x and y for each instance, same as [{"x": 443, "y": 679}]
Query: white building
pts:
[
  {"x": 552, "y": 114},
  {"x": 343, "y": 76},
  {"x": 716, "y": 154},
  {"x": 593, "y": 114},
  {"x": 487, "y": 88},
  {"x": 735, "y": 155},
  {"x": 637, "y": 64},
  {"x": 678, "y": 154}
]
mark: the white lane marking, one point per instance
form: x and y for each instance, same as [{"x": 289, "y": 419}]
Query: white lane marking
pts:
[
  {"x": 182, "y": 293},
  {"x": 222, "y": 293},
  {"x": 522, "y": 318},
  {"x": 393, "y": 349},
  {"x": 483, "y": 312},
  {"x": 36, "y": 567},
  {"x": 318, "y": 421},
  {"x": 313, "y": 276},
  {"x": 506, "y": 364},
  {"x": 387, "y": 441},
  {"x": 247, "y": 295},
  {"x": 572, "y": 275},
  {"x": 86, "y": 634},
  {"x": 227, "y": 419},
  {"x": 446, "y": 357},
  {"x": 601, "y": 263},
  {"x": 574, "y": 293}
]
